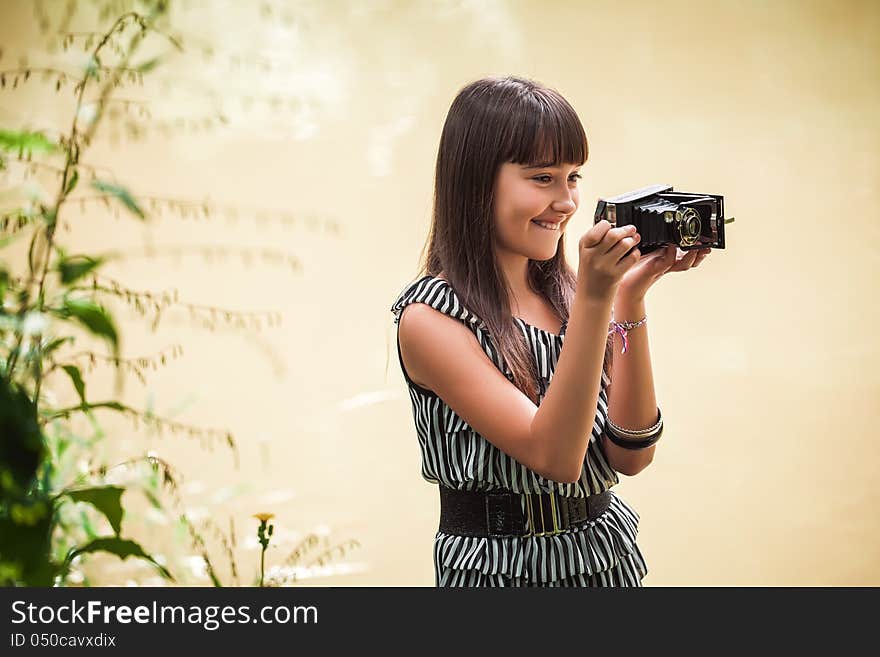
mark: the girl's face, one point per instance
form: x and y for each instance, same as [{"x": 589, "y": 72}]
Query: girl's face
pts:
[{"x": 525, "y": 195}]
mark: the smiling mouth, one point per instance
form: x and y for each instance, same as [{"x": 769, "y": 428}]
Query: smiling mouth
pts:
[{"x": 555, "y": 227}]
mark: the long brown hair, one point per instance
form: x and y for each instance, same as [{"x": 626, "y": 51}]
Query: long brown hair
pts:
[{"x": 492, "y": 121}]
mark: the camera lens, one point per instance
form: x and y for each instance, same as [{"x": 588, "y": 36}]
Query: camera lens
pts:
[{"x": 689, "y": 226}]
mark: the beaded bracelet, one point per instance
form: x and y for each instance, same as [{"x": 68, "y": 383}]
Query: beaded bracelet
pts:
[{"x": 623, "y": 327}]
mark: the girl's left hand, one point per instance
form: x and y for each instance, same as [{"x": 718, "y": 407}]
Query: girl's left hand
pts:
[{"x": 640, "y": 277}]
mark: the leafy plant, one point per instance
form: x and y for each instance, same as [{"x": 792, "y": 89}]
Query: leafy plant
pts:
[
  {"x": 44, "y": 527},
  {"x": 57, "y": 491}
]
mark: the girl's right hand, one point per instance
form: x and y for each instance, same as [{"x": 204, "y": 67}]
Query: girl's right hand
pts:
[{"x": 601, "y": 259}]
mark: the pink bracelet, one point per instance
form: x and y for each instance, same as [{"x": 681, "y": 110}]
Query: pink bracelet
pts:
[{"x": 623, "y": 327}]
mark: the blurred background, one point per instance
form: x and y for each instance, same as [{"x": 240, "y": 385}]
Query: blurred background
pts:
[{"x": 285, "y": 160}]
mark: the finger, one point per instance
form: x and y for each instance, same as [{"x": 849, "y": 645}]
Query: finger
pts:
[
  {"x": 686, "y": 262},
  {"x": 658, "y": 258},
  {"x": 663, "y": 262},
  {"x": 614, "y": 237},
  {"x": 703, "y": 254},
  {"x": 596, "y": 233},
  {"x": 624, "y": 246},
  {"x": 662, "y": 255}
]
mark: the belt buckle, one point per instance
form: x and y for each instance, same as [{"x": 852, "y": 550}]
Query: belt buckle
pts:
[{"x": 554, "y": 513}]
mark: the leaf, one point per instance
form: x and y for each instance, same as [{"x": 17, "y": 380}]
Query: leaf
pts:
[
  {"x": 54, "y": 344},
  {"x": 71, "y": 184},
  {"x": 148, "y": 65},
  {"x": 78, "y": 383},
  {"x": 25, "y": 550},
  {"x": 122, "y": 194},
  {"x": 152, "y": 499},
  {"x": 86, "y": 408},
  {"x": 216, "y": 582},
  {"x": 75, "y": 267},
  {"x": 176, "y": 41},
  {"x": 13, "y": 140},
  {"x": 22, "y": 446},
  {"x": 94, "y": 318},
  {"x": 105, "y": 499},
  {"x": 116, "y": 406},
  {"x": 122, "y": 548}
]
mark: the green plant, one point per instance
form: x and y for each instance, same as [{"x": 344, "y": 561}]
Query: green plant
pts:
[
  {"x": 264, "y": 535},
  {"x": 44, "y": 525},
  {"x": 286, "y": 572},
  {"x": 62, "y": 484}
]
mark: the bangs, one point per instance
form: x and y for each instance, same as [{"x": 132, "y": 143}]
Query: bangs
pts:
[{"x": 544, "y": 130}]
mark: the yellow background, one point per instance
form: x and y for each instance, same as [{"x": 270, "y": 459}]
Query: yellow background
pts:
[{"x": 765, "y": 357}]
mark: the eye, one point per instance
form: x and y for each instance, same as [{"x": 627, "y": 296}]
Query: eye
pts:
[{"x": 547, "y": 179}]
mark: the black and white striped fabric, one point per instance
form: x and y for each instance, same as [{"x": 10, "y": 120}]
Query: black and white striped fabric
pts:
[{"x": 602, "y": 552}]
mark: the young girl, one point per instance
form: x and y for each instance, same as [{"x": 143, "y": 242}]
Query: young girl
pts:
[{"x": 525, "y": 438}]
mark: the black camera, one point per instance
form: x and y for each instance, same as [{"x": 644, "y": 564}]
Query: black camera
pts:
[{"x": 663, "y": 216}]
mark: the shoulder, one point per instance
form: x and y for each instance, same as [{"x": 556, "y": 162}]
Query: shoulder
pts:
[
  {"x": 420, "y": 320},
  {"x": 429, "y": 338}
]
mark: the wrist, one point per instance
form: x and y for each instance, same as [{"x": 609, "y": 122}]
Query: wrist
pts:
[
  {"x": 627, "y": 314},
  {"x": 630, "y": 294}
]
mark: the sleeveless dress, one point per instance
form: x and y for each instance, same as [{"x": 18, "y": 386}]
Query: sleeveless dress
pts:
[{"x": 601, "y": 552}]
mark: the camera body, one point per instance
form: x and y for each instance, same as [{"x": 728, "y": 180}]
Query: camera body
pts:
[{"x": 663, "y": 216}]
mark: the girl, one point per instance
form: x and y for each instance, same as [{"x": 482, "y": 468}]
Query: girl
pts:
[{"x": 524, "y": 466}]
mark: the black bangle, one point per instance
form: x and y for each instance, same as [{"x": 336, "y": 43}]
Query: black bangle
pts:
[{"x": 631, "y": 443}]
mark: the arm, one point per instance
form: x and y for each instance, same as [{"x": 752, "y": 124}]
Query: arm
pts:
[
  {"x": 564, "y": 420},
  {"x": 632, "y": 403},
  {"x": 439, "y": 353}
]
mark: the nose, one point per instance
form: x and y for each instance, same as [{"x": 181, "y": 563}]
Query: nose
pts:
[{"x": 565, "y": 205}]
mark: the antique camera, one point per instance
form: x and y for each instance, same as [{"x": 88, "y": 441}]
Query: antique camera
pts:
[{"x": 663, "y": 216}]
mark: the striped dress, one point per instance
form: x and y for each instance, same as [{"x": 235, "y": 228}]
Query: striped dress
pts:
[{"x": 601, "y": 552}]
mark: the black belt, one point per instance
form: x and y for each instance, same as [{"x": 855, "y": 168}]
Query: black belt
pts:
[{"x": 500, "y": 513}]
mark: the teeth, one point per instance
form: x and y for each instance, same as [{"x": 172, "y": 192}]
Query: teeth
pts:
[{"x": 548, "y": 226}]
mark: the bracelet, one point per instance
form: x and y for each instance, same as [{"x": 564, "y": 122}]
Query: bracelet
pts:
[
  {"x": 637, "y": 433},
  {"x": 633, "y": 444},
  {"x": 623, "y": 327},
  {"x": 638, "y": 439}
]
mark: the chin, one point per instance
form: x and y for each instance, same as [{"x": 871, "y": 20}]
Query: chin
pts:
[{"x": 542, "y": 254}]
